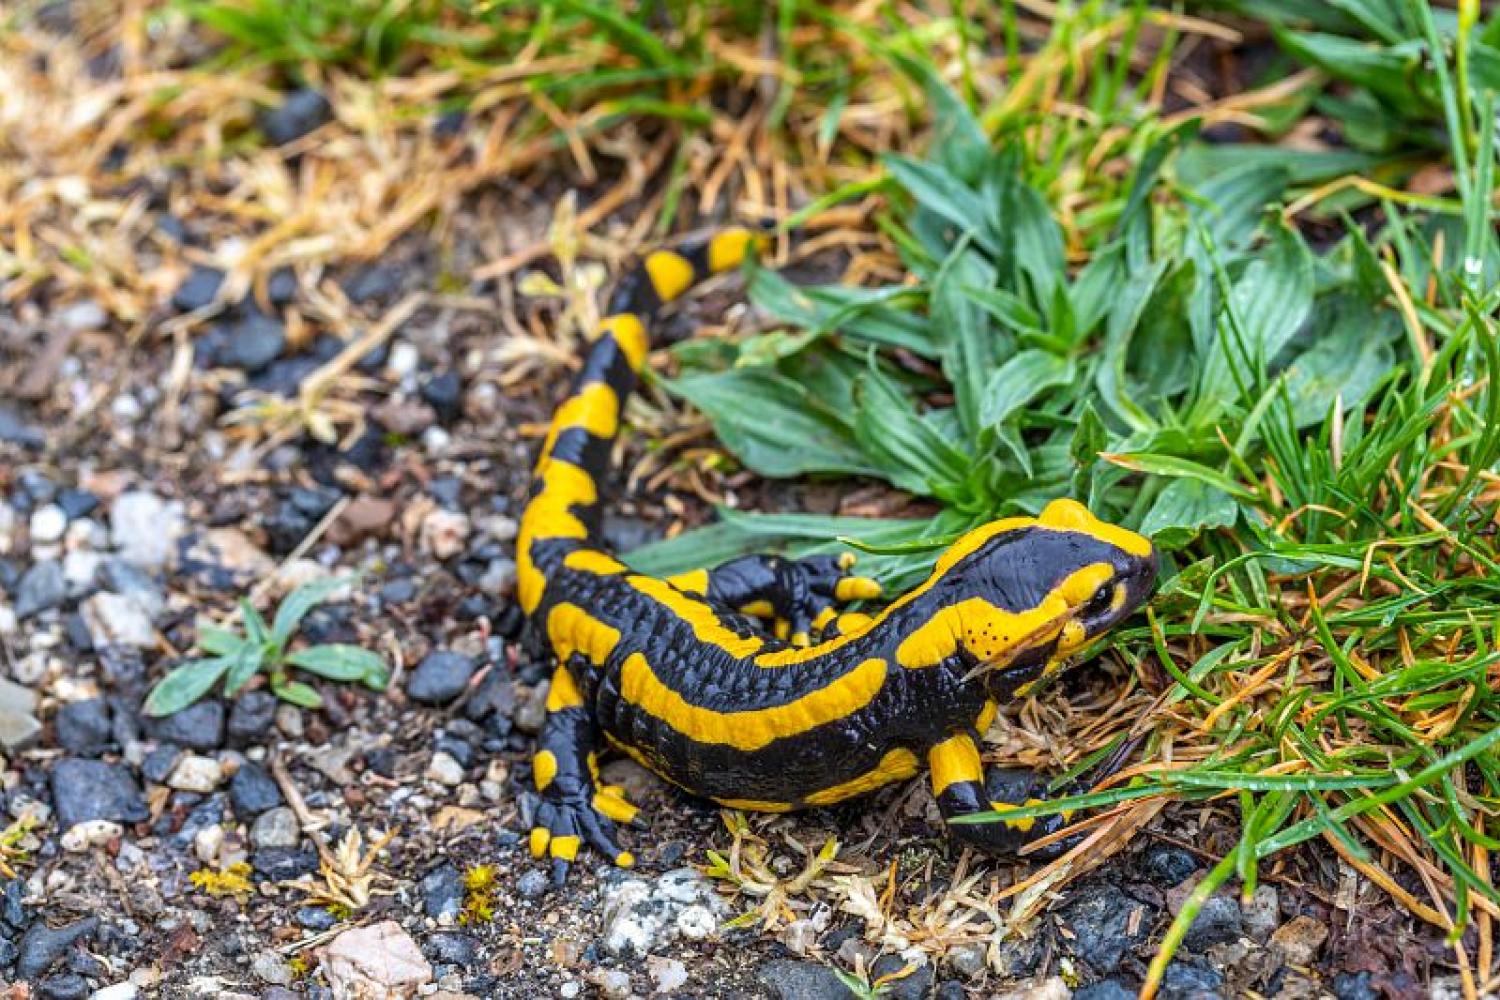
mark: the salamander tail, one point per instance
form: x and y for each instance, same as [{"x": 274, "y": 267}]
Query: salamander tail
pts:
[{"x": 565, "y": 489}]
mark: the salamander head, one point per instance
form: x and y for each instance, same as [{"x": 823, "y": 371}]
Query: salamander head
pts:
[{"x": 1021, "y": 595}]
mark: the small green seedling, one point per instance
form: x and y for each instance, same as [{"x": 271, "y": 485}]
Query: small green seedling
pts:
[{"x": 238, "y": 657}]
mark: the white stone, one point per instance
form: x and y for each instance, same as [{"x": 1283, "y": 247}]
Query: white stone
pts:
[
  {"x": 80, "y": 567},
  {"x": 668, "y": 973},
  {"x": 444, "y": 532},
  {"x": 90, "y": 833},
  {"x": 445, "y": 770},
  {"x": 207, "y": 841},
  {"x": 380, "y": 962},
  {"x": 48, "y": 522},
  {"x": 276, "y": 827},
  {"x": 119, "y": 991},
  {"x": 7, "y": 527},
  {"x": 145, "y": 528},
  {"x": 403, "y": 359},
  {"x": 196, "y": 774},
  {"x": 116, "y": 620},
  {"x": 1048, "y": 989},
  {"x": 8, "y": 623}
]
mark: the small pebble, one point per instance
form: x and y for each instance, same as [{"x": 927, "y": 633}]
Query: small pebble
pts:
[
  {"x": 445, "y": 770},
  {"x": 47, "y": 524},
  {"x": 276, "y": 828}
]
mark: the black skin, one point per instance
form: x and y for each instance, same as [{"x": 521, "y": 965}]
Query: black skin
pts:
[{"x": 912, "y": 711}]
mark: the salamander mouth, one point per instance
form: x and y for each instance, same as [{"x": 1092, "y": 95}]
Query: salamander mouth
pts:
[{"x": 1006, "y": 678}]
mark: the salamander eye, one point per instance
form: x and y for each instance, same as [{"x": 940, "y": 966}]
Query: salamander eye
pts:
[{"x": 1100, "y": 601}]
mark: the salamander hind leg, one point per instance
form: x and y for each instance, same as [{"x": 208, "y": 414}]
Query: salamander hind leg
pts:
[
  {"x": 795, "y": 597},
  {"x": 964, "y": 788},
  {"x": 576, "y": 808}
]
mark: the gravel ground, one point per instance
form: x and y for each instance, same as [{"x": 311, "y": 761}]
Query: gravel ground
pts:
[{"x": 197, "y": 855}]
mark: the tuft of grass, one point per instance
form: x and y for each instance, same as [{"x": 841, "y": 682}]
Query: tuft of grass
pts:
[
  {"x": 1311, "y": 438},
  {"x": 263, "y": 647}
]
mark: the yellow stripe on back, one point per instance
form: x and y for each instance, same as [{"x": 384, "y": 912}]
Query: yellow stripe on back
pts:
[
  {"x": 630, "y": 337},
  {"x": 728, "y": 249},
  {"x": 570, "y": 629},
  {"x": 549, "y": 516},
  {"x": 751, "y": 729},
  {"x": 671, "y": 274},
  {"x": 896, "y": 765},
  {"x": 703, "y": 619}
]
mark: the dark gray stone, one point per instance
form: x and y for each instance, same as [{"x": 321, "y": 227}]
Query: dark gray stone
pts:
[
  {"x": 15, "y": 430},
  {"x": 251, "y": 717},
  {"x": 68, "y": 986},
  {"x": 83, "y": 727},
  {"x": 42, "y": 588},
  {"x": 297, "y": 115},
  {"x": 792, "y": 980},
  {"x": 315, "y": 918},
  {"x": 42, "y": 946},
  {"x": 160, "y": 762},
  {"x": 1219, "y": 920},
  {"x": 252, "y": 791},
  {"x": 912, "y": 986},
  {"x": 1354, "y": 986},
  {"x": 453, "y": 949},
  {"x": 1105, "y": 989},
  {"x": 443, "y": 892},
  {"x": 90, "y": 789},
  {"x": 77, "y": 503},
  {"x": 444, "y": 393},
  {"x": 1190, "y": 981},
  {"x": 199, "y": 726},
  {"x": 440, "y": 677},
  {"x": 198, "y": 290},
  {"x": 1099, "y": 917},
  {"x": 1166, "y": 865},
  {"x": 533, "y": 884},
  {"x": 253, "y": 343},
  {"x": 282, "y": 864}
]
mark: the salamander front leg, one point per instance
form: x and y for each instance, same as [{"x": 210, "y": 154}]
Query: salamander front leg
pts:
[
  {"x": 962, "y": 788},
  {"x": 575, "y": 806},
  {"x": 797, "y": 596}
]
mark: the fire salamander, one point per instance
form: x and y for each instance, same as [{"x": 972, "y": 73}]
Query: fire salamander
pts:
[{"x": 746, "y": 683}]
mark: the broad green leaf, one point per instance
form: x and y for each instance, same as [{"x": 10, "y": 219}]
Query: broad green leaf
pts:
[
  {"x": 297, "y": 693},
  {"x": 971, "y": 346},
  {"x": 184, "y": 684},
  {"x": 774, "y": 424},
  {"x": 909, "y": 452},
  {"x": 1345, "y": 365},
  {"x": 1020, "y": 380},
  {"x": 940, "y": 191},
  {"x": 256, "y": 628},
  {"x": 1186, "y": 507},
  {"x": 1267, "y": 306},
  {"x": 220, "y": 641},
  {"x": 342, "y": 662},
  {"x": 295, "y": 606},
  {"x": 244, "y": 664}
]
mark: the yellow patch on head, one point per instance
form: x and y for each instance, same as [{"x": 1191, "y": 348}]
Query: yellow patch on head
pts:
[
  {"x": 1070, "y": 515},
  {"x": 694, "y": 581},
  {"x": 544, "y": 769},
  {"x": 990, "y": 634},
  {"x": 754, "y": 728},
  {"x": 728, "y": 249},
  {"x": 897, "y": 765},
  {"x": 671, "y": 274},
  {"x": 954, "y": 760}
]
